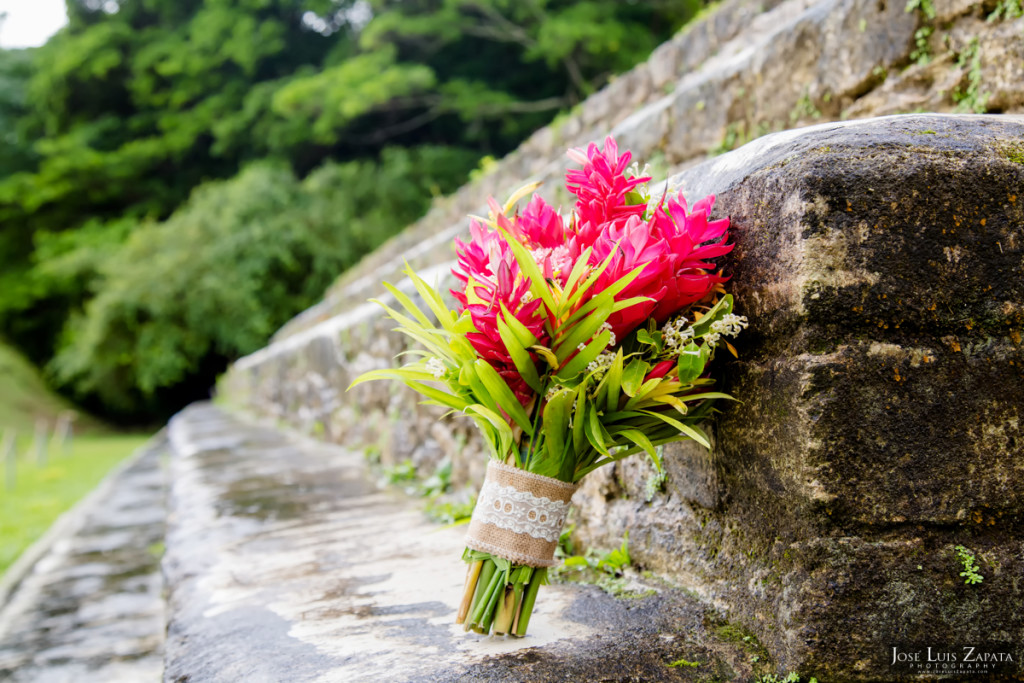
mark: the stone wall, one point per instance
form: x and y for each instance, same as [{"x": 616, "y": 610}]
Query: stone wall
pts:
[{"x": 747, "y": 69}]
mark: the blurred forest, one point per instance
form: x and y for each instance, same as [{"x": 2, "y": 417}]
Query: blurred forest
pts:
[{"x": 178, "y": 178}]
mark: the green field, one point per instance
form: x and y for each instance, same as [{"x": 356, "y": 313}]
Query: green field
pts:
[{"x": 42, "y": 492}]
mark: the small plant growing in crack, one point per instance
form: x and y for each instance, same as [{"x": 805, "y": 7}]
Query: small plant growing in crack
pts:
[{"x": 970, "y": 572}]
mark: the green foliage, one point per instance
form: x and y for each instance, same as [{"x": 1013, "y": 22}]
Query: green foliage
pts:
[
  {"x": 922, "y": 52},
  {"x": 121, "y": 117},
  {"x": 24, "y": 397},
  {"x": 791, "y": 677},
  {"x": 449, "y": 512},
  {"x": 970, "y": 572},
  {"x": 1007, "y": 10},
  {"x": 15, "y": 147},
  {"x": 400, "y": 473},
  {"x": 924, "y": 6},
  {"x": 804, "y": 109},
  {"x": 42, "y": 494},
  {"x": 971, "y": 99},
  {"x": 606, "y": 570},
  {"x": 212, "y": 282},
  {"x": 655, "y": 482}
]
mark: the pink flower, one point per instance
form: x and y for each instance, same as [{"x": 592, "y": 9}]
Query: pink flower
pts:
[
  {"x": 673, "y": 247},
  {"x": 601, "y": 188},
  {"x": 692, "y": 242},
  {"x": 490, "y": 277}
]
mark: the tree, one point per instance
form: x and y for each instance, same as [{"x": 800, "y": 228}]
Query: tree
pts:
[{"x": 137, "y": 103}]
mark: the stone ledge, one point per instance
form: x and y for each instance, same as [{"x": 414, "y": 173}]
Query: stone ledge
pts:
[{"x": 284, "y": 563}]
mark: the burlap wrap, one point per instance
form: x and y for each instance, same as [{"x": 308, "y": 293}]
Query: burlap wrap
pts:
[{"x": 519, "y": 515}]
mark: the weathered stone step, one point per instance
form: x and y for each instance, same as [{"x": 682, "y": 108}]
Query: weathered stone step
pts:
[
  {"x": 284, "y": 563},
  {"x": 91, "y": 608}
]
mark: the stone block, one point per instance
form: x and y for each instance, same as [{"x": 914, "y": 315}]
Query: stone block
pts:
[{"x": 881, "y": 385}]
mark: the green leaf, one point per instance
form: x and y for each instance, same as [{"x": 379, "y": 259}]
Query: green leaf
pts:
[
  {"x": 651, "y": 338},
  {"x": 452, "y": 400},
  {"x": 613, "y": 380},
  {"x": 580, "y": 267},
  {"x": 404, "y": 374},
  {"x": 581, "y": 332},
  {"x": 502, "y": 395},
  {"x": 556, "y": 423},
  {"x": 695, "y": 434},
  {"x": 445, "y": 316},
  {"x": 633, "y": 376},
  {"x": 692, "y": 360},
  {"x": 595, "y": 433},
  {"x": 522, "y": 332},
  {"x": 643, "y": 442},
  {"x": 579, "y": 418},
  {"x": 717, "y": 312},
  {"x": 606, "y": 296},
  {"x": 571, "y": 297},
  {"x": 505, "y": 437},
  {"x": 582, "y": 359},
  {"x": 528, "y": 266},
  {"x": 520, "y": 356},
  {"x": 408, "y": 305}
]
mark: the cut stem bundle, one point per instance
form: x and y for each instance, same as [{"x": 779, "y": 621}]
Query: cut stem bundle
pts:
[{"x": 499, "y": 596}]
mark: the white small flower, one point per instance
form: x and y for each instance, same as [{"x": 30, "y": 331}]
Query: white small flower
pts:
[
  {"x": 611, "y": 338},
  {"x": 600, "y": 364},
  {"x": 712, "y": 339},
  {"x": 581, "y": 346},
  {"x": 676, "y": 333},
  {"x": 436, "y": 368},
  {"x": 527, "y": 298},
  {"x": 635, "y": 170},
  {"x": 730, "y": 325}
]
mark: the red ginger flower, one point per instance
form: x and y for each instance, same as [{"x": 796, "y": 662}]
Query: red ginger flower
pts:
[
  {"x": 692, "y": 240},
  {"x": 601, "y": 188},
  {"x": 491, "y": 277},
  {"x": 672, "y": 247}
]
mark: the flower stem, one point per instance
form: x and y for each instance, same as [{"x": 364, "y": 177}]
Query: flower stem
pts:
[
  {"x": 472, "y": 575},
  {"x": 528, "y": 600},
  {"x": 506, "y": 611},
  {"x": 494, "y": 592},
  {"x": 483, "y": 581}
]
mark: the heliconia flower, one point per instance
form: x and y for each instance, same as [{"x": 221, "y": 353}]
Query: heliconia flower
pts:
[{"x": 600, "y": 188}]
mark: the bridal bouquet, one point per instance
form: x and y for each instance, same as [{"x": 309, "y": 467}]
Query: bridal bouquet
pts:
[{"x": 577, "y": 341}]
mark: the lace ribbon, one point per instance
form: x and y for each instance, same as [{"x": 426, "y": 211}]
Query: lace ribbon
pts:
[
  {"x": 520, "y": 511},
  {"x": 519, "y": 515}
]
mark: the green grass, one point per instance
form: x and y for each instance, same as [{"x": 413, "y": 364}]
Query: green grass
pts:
[{"x": 41, "y": 494}]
